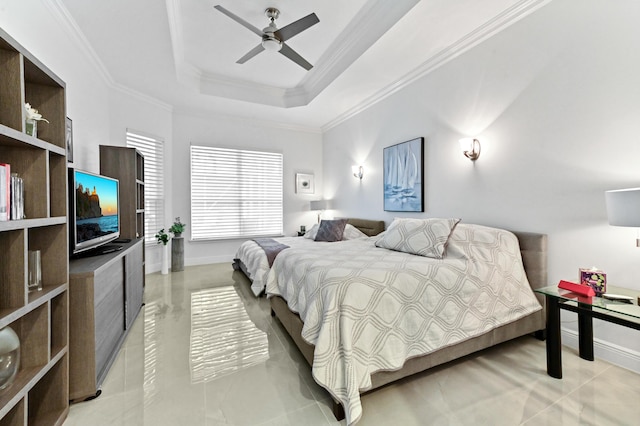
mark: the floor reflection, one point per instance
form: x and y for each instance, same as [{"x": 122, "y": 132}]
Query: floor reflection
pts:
[
  {"x": 223, "y": 337},
  {"x": 204, "y": 351}
]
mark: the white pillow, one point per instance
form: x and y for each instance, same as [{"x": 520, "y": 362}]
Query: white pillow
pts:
[
  {"x": 424, "y": 237},
  {"x": 311, "y": 233},
  {"x": 352, "y": 233}
]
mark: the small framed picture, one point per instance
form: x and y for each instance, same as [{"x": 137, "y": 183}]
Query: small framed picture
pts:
[
  {"x": 68, "y": 135},
  {"x": 304, "y": 183}
]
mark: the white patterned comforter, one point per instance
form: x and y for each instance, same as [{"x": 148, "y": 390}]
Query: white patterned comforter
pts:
[{"x": 368, "y": 309}]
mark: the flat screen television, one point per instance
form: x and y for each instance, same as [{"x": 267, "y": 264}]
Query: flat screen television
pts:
[{"x": 94, "y": 218}]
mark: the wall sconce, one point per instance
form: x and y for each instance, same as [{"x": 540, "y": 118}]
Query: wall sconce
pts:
[
  {"x": 470, "y": 148},
  {"x": 623, "y": 208},
  {"x": 358, "y": 171}
]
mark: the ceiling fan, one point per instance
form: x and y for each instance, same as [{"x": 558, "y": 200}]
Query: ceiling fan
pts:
[{"x": 273, "y": 39}]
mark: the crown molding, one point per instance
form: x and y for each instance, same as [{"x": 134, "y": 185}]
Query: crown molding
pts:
[
  {"x": 372, "y": 21},
  {"x": 72, "y": 29},
  {"x": 472, "y": 39},
  {"x": 245, "y": 121},
  {"x": 217, "y": 85},
  {"x": 142, "y": 97},
  {"x": 70, "y": 26}
]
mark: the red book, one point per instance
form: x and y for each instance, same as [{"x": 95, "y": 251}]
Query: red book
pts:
[{"x": 583, "y": 290}]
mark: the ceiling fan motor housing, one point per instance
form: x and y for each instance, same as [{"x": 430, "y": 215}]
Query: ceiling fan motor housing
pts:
[{"x": 269, "y": 40}]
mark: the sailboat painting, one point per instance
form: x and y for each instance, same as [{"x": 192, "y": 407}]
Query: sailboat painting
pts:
[{"x": 403, "y": 176}]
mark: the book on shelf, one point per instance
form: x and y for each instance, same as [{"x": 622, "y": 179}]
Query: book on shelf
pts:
[
  {"x": 17, "y": 197},
  {"x": 5, "y": 197}
]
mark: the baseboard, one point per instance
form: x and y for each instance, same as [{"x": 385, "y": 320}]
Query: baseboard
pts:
[
  {"x": 156, "y": 266},
  {"x": 610, "y": 352}
]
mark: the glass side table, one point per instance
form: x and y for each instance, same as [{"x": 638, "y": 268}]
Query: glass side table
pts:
[{"x": 587, "y": 308}]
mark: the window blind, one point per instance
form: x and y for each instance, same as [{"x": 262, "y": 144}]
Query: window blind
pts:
[
  {"x": 235, "y": 193},
  {"x": 152, "y": 149}
]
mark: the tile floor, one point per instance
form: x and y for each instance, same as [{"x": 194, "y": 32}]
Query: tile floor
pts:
[{"x": 205, "y": 351}]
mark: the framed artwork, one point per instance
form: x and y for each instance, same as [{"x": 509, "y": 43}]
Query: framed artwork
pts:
[
  {"x": 68, "y": 135},
  {"x": 305, "y": 183},
  {"x": 403, "y": 176}
]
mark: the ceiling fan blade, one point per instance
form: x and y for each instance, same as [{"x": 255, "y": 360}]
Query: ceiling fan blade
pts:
[
  {"x": 295, "y": 57},
  {"x": 253, "y": 52},
  {"x": 239, "y": 20},
  {"x": 295, "y": 28}
]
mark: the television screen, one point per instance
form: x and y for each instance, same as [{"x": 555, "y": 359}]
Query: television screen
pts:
[{"x": 95, "y": 202}]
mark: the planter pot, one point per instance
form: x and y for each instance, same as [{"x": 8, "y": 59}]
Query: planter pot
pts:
[
  {"x": 177, "y": 254},
  {"x": 165, "y": 260},
  {"x": 31, "y": 127}
]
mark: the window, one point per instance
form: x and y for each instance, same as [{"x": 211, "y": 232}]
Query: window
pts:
[
  {"x": 152, "y": 149},
  {"x": 235, "y": 193}
]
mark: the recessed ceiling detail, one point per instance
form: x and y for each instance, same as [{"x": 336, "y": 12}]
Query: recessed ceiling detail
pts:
[
  {"x": 181, "y": 54},
  {"x": 332, "y": 45}
]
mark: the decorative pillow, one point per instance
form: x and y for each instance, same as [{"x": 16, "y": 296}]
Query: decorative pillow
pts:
[
  {"x": 311, "y": 233},
  {"x": 352, "y": 233},
  {"x": 331, "y": 230},
  {"x": 424, "y": 237}
]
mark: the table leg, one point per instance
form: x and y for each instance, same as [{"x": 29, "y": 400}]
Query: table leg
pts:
[
  {"x": 554, "y": 344},
  {"x": 585, "y": 333}
]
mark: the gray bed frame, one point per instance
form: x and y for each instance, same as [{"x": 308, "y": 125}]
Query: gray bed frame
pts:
[{"x": 534, "y": 256}]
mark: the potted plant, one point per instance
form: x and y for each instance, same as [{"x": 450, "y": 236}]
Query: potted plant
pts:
[
  {"x": 162, "y": 237},
  {"x": 32, "y": 118},
  {"x": 177, "y": 228}
]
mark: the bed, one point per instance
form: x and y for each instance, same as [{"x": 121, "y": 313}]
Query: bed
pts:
[
  {"x": 253, "y": 261},
  {"x": 360, "y": 331}
]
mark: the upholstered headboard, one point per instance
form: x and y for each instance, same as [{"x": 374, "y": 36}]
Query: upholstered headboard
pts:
[
  {"x": 534, "y": 257},
  {"x": 369, "y": 227}
]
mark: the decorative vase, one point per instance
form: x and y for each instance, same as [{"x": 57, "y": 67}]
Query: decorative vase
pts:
[
  {"x": 35, "y": 271},
  {"x": 9, "y": 356},
  {"x": 31, "y": 127},
  {"x": 165, "y": 260}
]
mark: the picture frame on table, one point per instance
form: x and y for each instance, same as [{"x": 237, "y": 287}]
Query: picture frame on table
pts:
[
  {"x": 68, "y": 136},
  {"x": 305, "y": 183}
]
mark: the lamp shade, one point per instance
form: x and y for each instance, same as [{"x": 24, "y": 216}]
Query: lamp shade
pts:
[
  {"x": 623, "y": 207},
  {"x": 320, "y": 205}
]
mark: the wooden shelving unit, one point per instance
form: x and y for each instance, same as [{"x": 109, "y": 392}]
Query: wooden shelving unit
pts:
[
  {"x": 40, "y": 392},
  {"x": 126, "y": 165}
]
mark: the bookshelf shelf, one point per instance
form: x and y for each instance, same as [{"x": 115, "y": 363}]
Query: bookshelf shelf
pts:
[{"x": 40, "y": 392}]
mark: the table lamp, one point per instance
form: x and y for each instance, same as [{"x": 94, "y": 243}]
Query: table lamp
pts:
[
  {"x": 320, "y": 205},
  {"x": 623, "y": 208}
]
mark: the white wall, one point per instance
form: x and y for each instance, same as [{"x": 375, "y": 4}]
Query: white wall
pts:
[
  {"x": 101, "y": 110},
  {"x": 302, "y": 154},
  {"x": 37, "y": 26},
  {"x": 555, "y": 99},
  {"x": 132, "y": 111}
]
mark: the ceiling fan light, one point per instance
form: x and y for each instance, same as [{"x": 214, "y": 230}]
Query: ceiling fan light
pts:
[{"x": 271, "y": 44}]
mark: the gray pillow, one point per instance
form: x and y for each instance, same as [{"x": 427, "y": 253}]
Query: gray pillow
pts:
[
  {"x": 331, "y": 230},
  {"x": 424, "y": 237}
]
